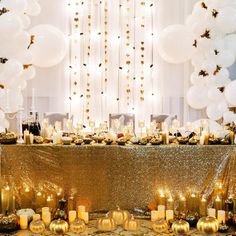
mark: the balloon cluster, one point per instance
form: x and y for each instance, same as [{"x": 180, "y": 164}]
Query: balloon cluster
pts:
[
  {"x": 22, "y": 49},
  {"x": 207, "y": 40}
]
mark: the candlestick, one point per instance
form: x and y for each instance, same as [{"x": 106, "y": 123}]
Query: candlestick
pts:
[
  {"x": 46, "y": 217},
  {"x": 72, "y": 216},
  {"x": 23, "y": 221},
  {"x": 221, "y": 217},
  {"x": 161, "y": 211},
  {"x": 211, "y": 212},
  {"x": 169, "y": 215},
  {"x": 203, "y": 207},
  {"x": 154, "y": 215}
]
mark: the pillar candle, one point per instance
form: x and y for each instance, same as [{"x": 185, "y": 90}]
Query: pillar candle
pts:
[
  {"x": 84, "y": 216},
  {"x": 51, "y": 202},
  {"x": 211, "y": 212},
  {"x": 162, "y": 199},
  {"x": 5, "y": 199},
  {"x": 182, "y": 204},
  {"x": 31, "y": 138},
  {"x": 40, "y": 200},
  {"x": 26, "y": 198},
  {"x": 221, "y": 217},
  {"x": 46, "y": 217},
  {"x": 169, "y": 215},
  {"x": 206, "y": 139},
  {"x": 164, "y": 138},
  {"x": 154, "y": 215},
  {"x": 23, "y": 221},
  {"x": 161, "y": 211},
  {"x": 231, "y": 137},
  {"x": 72, "y": 216},
  {"x": 203, "y": 207},
  {"x": 218, "y": 203},
  {"x": 170, "y": 203},
  {"x": 36, "y": 217},
  {"x": 202, "y": 139}
]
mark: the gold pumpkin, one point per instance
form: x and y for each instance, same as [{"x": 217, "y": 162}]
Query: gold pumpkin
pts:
[
  {"x": 180, "y": 227},
  {"x": 208, "y": 225},
  {"x": 160, "y": 226},
  {"x": 78, "y": 226},
  {"x": 37, "y": 226},
  {"x": 59, "y": 226},
  {"x": 131, "y": 224},
  {"x": 119, "y": 216},
  {"x": 106, "y": 224}
]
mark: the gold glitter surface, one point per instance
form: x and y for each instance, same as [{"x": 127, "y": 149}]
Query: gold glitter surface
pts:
[{"x": 126, "y": 176}]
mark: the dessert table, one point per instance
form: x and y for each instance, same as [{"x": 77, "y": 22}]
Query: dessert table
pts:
[{"x": 128, "y": 176}]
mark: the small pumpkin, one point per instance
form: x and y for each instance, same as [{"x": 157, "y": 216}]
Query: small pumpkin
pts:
[
  {"x": 78, "y": 226},
  {"x": 160, "y": 226},
  {"x": 180, "y": 227},
  {"x": 208, "y": 225},
  {"x": 119, "y": 216},
  {"x": 106, "y": 224},
  {"x": 59, "y": 226},
  {"x": 131, "y": 224},
  {"x": 37, "y": 226}
]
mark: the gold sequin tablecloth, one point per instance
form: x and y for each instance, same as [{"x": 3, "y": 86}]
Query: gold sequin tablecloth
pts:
[{"x": 127, "y": 176}]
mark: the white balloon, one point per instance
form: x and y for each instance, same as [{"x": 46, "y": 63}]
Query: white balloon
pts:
[
  {"x": 26, "y": 21},
  {"x": 228, "y": 117},
  {"x": 223, "y": 106},
  {"x": 50, "y": 46},
  {"x": 214, "y": 94},
  {"x": 213, "y": 112},
  {"x": 230, "y": 93},
  {"x": 29, "y": 73},
  {"x": 17, "y": 6},
  {"x": 225, "y": 58},
  {"x": 197, "y": 97},
  {"x": 25, "y": 57},
  {"x": 175, "y": 44},
  {"x": 10, "y": 25},
  {"x": 12, "y": 68},
  {"x": 226, "y": 19},
  {"x": 34, "y": 8},
  {"x": 230, "y": 43}
]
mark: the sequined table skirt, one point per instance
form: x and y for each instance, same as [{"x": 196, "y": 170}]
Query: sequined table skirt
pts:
[{"x": 128, "y": 176}]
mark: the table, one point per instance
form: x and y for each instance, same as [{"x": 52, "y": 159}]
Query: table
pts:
[
  {"x": 128, "y": 176},
  {"x": 146, "y": 230}
]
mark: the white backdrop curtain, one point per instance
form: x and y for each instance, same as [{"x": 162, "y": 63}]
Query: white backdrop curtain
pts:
[{"x": 170, "y": 82}]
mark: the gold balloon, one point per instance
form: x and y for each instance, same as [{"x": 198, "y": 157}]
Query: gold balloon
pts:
[
  {"x": 160, "y": 226},
  {"x": 180, "y": 227},
  {"x": 37, "y": 226},
  {"x": 106, "y": 224},
  {"x": 208, "y": 225},
  {"x": 59, "y": 226},
  {"x": 131, "y": 224},
  {"x": 119, "y": 216},
  {"x": 78, "y": 226}
]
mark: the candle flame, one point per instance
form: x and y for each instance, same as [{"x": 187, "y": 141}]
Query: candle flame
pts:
[
  {"x": 217, "y": 198},
  {"x": 7, "y": 188},
  {"x": 193, "y": 195},
  {"x": 39, "y": 194},
  {"x": 27, "y": 190}
]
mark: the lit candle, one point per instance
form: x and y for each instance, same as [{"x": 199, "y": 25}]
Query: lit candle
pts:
[
  {"x": 193, "y": 202},
  {"x": 162, "y": 199},
  {"x": 164, "y": 138},
  {"x": 202, "y": 139},
  {"x": 232, "y": 137},
  {"x": 221, "y": 217},
  {"x": 26, "y": 199},
  {"x": 40, "y": 200},
  {"x": 5, "y": 199},
  {"x": 218, "y": 203},
  {"x": 206, "y": 139},
  {"x": 203, "y": 207},
  {"x": 182, "y": 204},
  {"x": 211, "y": 212},
  {"x": 154, "y": 215},
  {"x": 46, "y": 217},
  {"x": 23, "y": 221},
  {"x": 169, "y": 215},
  {"x": 161, "y": 211},
  {"x": 36, "y": 217},
  {"x": 51, "y": 202},
  {"x": 81, "y": 208},
  {"x": 72, "y": 216},
  {"x": 84, "y": 216},
  {"x": 170, "y": 203}
]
